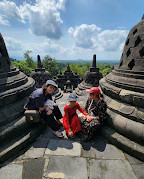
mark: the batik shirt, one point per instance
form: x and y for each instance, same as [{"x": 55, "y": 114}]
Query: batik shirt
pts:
[{"x": 97, "y": 109}]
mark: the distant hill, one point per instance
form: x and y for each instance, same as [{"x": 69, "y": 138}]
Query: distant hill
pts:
[{"x": 89, "y": 61}]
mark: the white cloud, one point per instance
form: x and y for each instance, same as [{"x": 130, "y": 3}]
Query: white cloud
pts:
[
  {"x": 90, "y": 36},
  {"x": 84, "y": 35},
  {"x": 13, "y": 44},
  {"x": 3, "y": 21},
  {"x": 43, "y": 17},
  {"x": 16, "y": 48},
  {"x": 112, "y": 40},
  {"x": 10, "y": 10}
]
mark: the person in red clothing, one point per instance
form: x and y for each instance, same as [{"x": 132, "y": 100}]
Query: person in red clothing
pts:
[{"x": 71, "y": 121}]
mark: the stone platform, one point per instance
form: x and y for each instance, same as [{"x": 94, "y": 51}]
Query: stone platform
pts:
[{"x": 53, "y": 158}]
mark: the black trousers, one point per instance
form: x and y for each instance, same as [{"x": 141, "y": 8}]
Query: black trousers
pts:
[{"x": 50, "y": 119}]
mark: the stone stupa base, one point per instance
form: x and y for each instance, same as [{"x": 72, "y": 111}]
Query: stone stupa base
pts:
[
  {"x": 81, "y": 88},
  {"x": 125, "y": 123}
]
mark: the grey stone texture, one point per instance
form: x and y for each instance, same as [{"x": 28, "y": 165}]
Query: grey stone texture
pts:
[
  {"x": 67, "y": 168},
  {"x": 123, "y": 89},
  {"x": 63, "y": 147},
  {"x": 139, "y": 170},
  {"x": 34, "y": 168},
  {"x": 15, "y": 87},
  {"x": 13, "y": 171},
  {"x": 37, "y": 149},
  {"x": 100, "y": 149},
  {"x": 111, "y": 169}
]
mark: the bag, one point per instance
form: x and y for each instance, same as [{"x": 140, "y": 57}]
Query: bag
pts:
[{"x": 32, "y": 116}]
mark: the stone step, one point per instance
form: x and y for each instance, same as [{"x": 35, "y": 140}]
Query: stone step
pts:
[
  {"x": 127, "y": 96},
  {"x": 130, "y": 83},
  {"x": 130, "y": 147},
  {"x": 59, "y": 94},
  {"x": 19, "y": 143},
  {"x": 13, "y": 95},
  {"x": 79, "y": 92},
  {"x": 126, "y": 110},
  {"x": 129, "y": 128},
  {"x": 13, "y": 129},
  {"x": 12, "y": 82}
]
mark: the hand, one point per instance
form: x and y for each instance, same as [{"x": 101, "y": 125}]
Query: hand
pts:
[
  {"x": 97, "y": 117},
  {"x": 49, "y": 112},
  {"x": 89, "y": 118},
  {"x": 85, "y": 117},
  {"x": 43, "y": 108},
  {"x": 70, "y": 134}
]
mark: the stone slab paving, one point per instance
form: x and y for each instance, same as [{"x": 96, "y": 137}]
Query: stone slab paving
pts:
[
  {"x": 63, "y": 147},
  {"x": 12, "y": 171},
  {"x": 37, "y": 149},
  {"x": 33, "y": 168},
  {"x": 66, "y": 167},
  {"x": 53, "y": 158},
  {"x": 100, "y": 149},
  {"x": 111, "y": 169},
  {"x": 139, "y": 170}
]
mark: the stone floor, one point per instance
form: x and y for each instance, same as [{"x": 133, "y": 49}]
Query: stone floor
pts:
[{"x": 53, "y": 158}]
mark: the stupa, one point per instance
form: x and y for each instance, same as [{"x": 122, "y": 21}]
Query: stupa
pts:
[
  {"x": 15, "y": 87},
  {"x": 123, "y": 90},
  {"x": 40, "y": 75},
  {"x": 91, "y": 78}
]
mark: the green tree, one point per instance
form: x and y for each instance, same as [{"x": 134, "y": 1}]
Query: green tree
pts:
[
  {"x": 50, "y": 64},
  {"x": 23, "y": 65},
  {"x": 29, "y": 60}
]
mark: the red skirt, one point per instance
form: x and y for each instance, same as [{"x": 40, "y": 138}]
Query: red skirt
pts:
[{"x": 75, "y": 124}]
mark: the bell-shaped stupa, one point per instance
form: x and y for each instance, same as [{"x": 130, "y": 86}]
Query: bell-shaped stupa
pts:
[
  {"x": 15, "y": 87},
  {"x": 91, "y": 78},
  {"x": 123, "y": 90}
]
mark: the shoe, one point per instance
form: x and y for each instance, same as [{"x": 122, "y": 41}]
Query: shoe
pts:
[{"x": 58, "y": 134}]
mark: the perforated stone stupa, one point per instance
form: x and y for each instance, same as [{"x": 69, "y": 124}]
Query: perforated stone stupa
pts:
[{"x": 123, "y": 90}]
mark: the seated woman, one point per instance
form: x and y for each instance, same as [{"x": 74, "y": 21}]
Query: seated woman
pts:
[
  {"x": 96, "y": 109},
  {"x": 71, "y": 121},
  {"x": 37, "y": 102}
]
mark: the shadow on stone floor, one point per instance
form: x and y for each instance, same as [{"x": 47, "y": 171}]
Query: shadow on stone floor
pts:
[{"x": 97, "y": 142}]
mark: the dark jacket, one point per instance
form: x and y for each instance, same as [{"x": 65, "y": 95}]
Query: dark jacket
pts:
[{"x": 37, "y": 99}]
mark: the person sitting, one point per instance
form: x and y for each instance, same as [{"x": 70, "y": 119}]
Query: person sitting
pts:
[
  {"x": 71, "y": 121},
  {"x": 38, "y": 101},
  {"x": 96, "y": 109}
]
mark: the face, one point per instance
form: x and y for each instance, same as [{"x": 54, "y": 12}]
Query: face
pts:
[
  {"x": 72, "y": 103},
  {"x": 50, "y": 89},
  {"x": 92, "y": 95}
]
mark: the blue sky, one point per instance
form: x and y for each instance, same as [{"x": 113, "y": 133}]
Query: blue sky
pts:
[{"x": 68, "y": 29}]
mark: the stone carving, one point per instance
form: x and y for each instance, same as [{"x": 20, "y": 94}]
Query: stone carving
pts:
[
  {"x": 68, "y": 79},
  {"x": 123, "y": 90}
]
